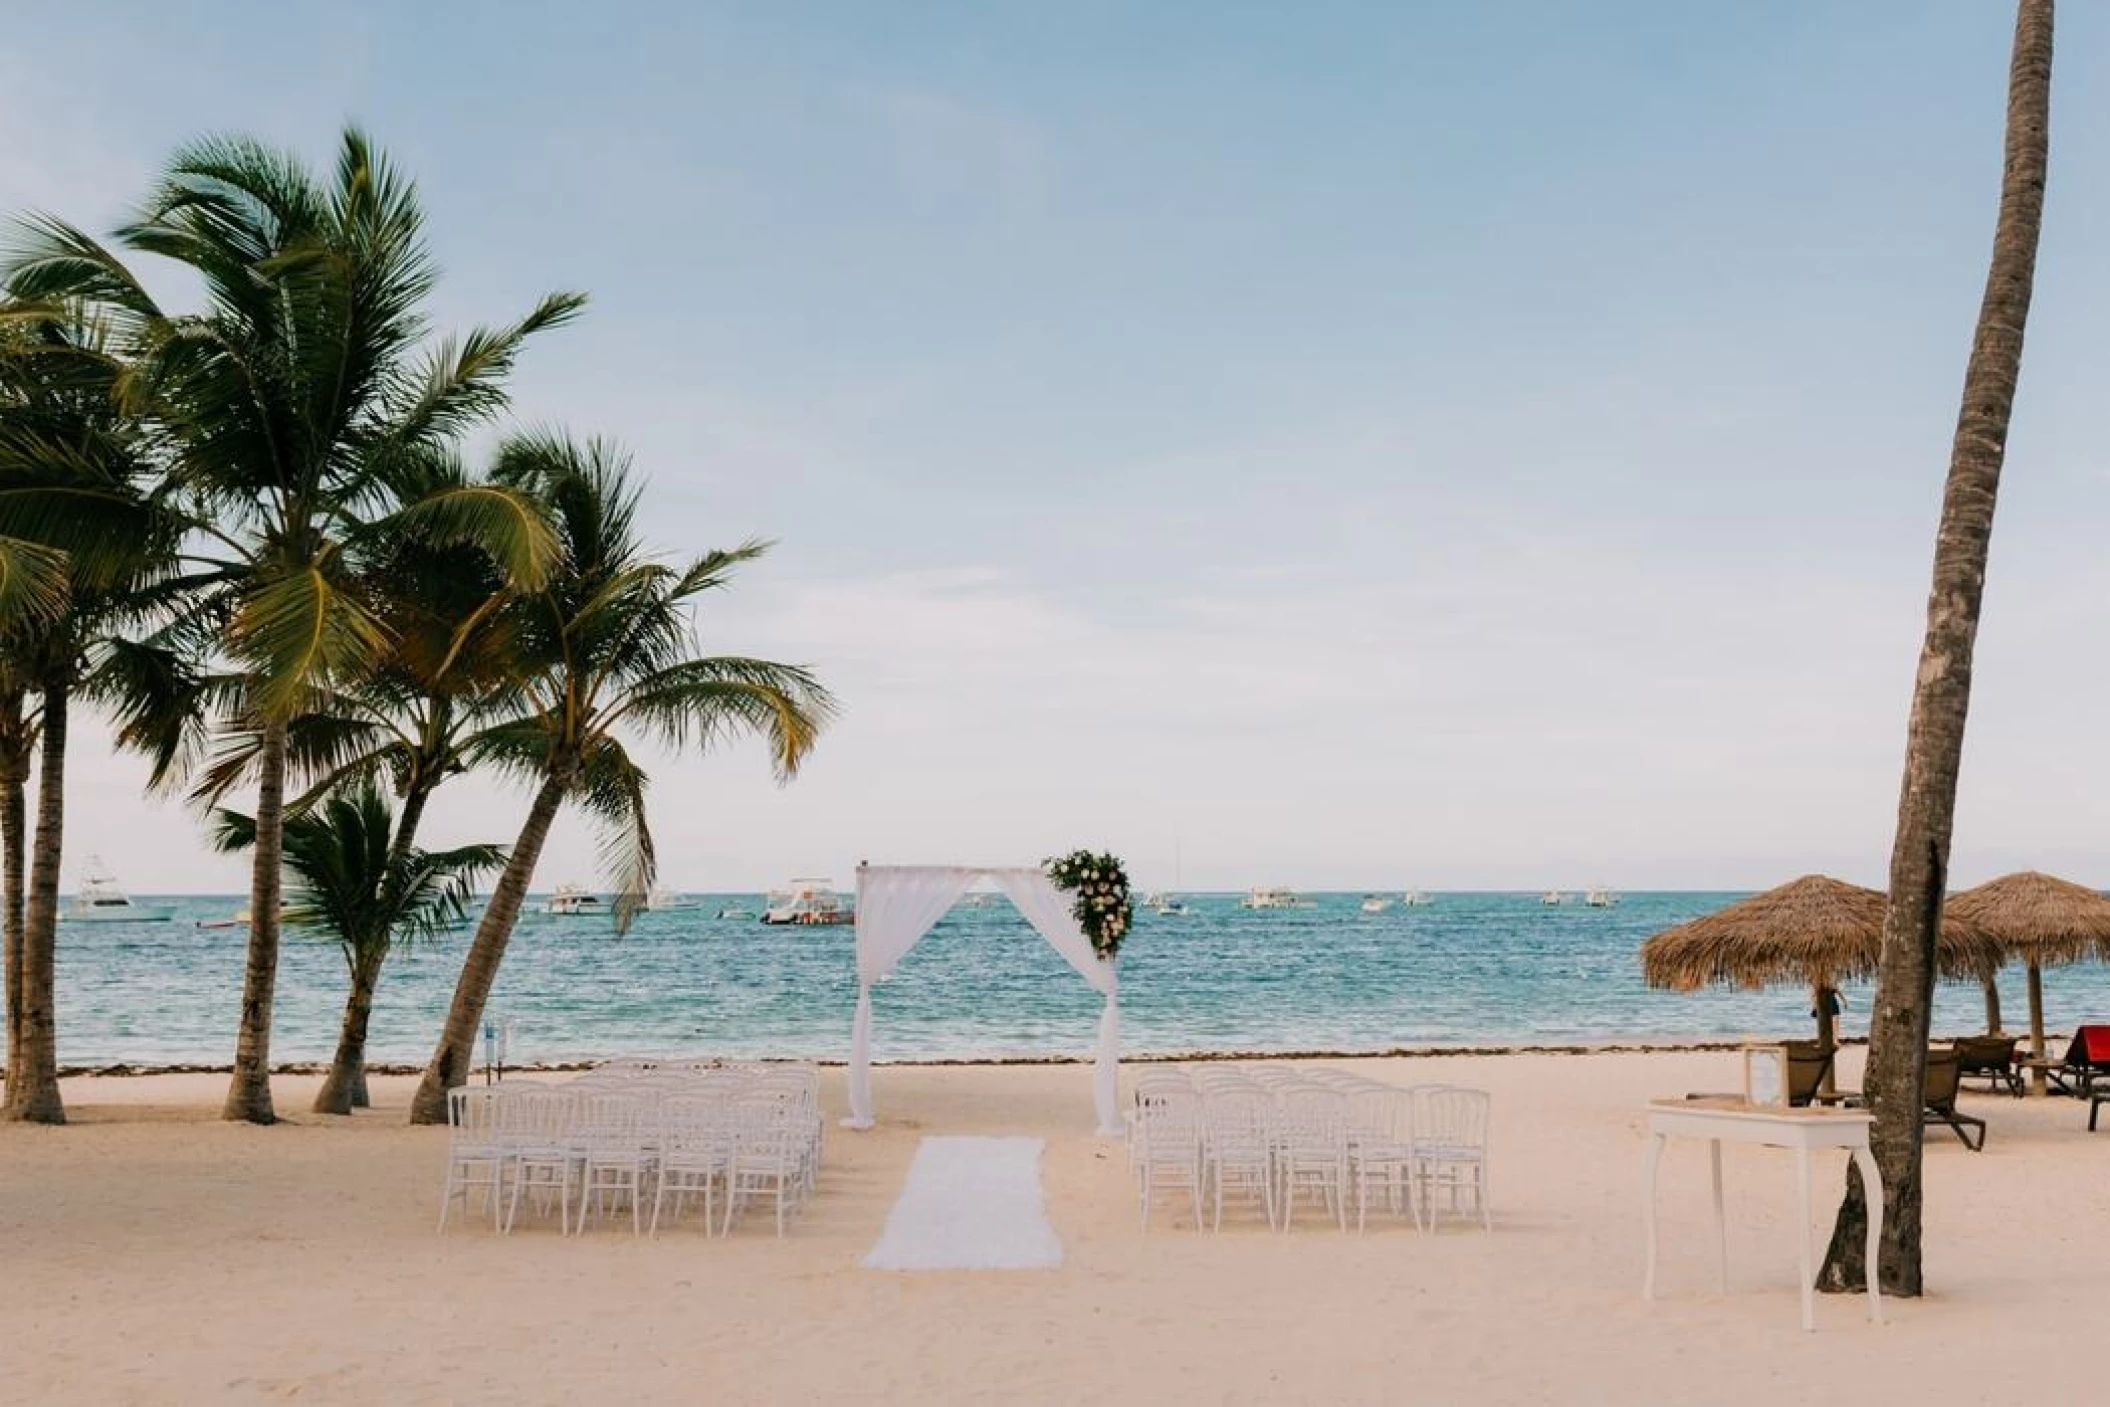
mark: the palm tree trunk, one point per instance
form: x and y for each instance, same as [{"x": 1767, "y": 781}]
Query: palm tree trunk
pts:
[
  {"x": 33, "y": 1085},
  {"x": 457, "y": 1047},
  {"x": 249, "y": 1092},
  {"x": 1919, "y": 860},
  {"x": 344, "y": 1088},
  {"x": 14, "y": 840},
  {"x": 1992, "y": 1004}
]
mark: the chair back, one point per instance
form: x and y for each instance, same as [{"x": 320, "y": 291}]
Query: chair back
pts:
[
  {"x": 1451, "y": 1119},
  {"x": 1985, "y": 1055},
  {"x": 2093, "y": 1043},
  {"x": 1944, "y": 1077},
  {"x": 472, "y": 1116},
  {"x": 1808, "y": 1064}
]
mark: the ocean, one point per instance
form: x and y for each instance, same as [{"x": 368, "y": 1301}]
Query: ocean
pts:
[{"x": 1467, "y": 969}]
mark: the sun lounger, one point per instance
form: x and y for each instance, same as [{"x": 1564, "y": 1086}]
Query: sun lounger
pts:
[
  {"x": 1938, "y": 1097},
  {"x": 1992, "y": 1059},
  {"x": 2087, "y": 1056}
]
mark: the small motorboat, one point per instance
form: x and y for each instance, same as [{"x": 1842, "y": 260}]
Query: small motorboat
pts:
[
  {"x": 1375, "y": 903},
  {"x": 1553, "y": 898},
  {"x": 571, "y": 901},
  {"x": 1414, "y": 899},
  {"x": 1274, "y": 899},
  {"x": 807, "y": 901},
  {"x": 736, "y": 910},
  {"x": 666, "y": 901},
  {"x": 1601, "y": 898}
]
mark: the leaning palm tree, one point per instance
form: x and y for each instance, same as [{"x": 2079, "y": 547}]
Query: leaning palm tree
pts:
[
  {"x": 352, "y": 886},
  {"x": 613, "y": 654},
  {"x": 1919, "y": 859},
  {"x": 294, "y": 403}
]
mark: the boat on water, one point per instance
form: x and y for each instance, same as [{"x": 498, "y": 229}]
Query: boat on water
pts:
[
  {"x": 978, "y": 901},
  {"x": 1601, "y": 898},
  {"x": 1274, "y": 899},
  {"x": 1553, "y": 898},
  {"x": 1166, "y": 905},
  {"x": 571, "y": 901},
  {"x": 666, "y": 901},
  {"x": 807, "y": 901},
  {"x": 736, "y": 909},
  {"x": 1414, "y": 899},
  {"x": 101, "y": 899},
  {"x": 1375, "y": 903}
]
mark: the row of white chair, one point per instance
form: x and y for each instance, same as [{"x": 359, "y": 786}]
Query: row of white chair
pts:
[
  {"x": 620, "y": 1135},
  {"x": 1274, "y": 1133}
]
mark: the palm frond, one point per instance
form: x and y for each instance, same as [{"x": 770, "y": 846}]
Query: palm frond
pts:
[
  {"x": 703, "y": 701},
  {"x": 611, "y": 789},
  {"x": 300, "y": 631}
]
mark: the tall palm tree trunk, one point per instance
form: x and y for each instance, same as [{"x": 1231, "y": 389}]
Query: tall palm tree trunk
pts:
[
  {"x": 1919, "y": 860},
  {"x": 457, "y": 1048},
  {"x": 33, "y": 1086},
  {"x": 1992, "y": 1004},
  {"x": 344, "y": 1089},
  {"x": 14, "y": 841},
  {"x": 249, "y": 1092}
]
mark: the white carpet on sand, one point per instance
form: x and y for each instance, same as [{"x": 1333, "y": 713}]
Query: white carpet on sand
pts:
[{"x": 970, "y": 1204}]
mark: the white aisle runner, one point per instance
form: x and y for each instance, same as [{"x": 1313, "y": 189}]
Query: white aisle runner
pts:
[{"x": 970, "y": 1204}]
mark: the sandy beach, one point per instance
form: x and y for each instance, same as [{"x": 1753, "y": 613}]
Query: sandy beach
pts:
[{"x": 153, "y": 1254}]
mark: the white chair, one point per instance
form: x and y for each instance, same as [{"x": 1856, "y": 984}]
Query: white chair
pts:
[
  {"x": 767, "y": 1156},
  {"x": 1450, "y": 1150},
  {"x": 1238, "y": 1147},
  {"x": 537, "y": 1128},
  {"x": 1380, "y": 1148},
  {"x": 476, "y": 1157},
  {"x": 1312, "y": 1149},
  {"x": 614, "y": 1161},
  {"x": 1165, "y": 1146},
  {"x": 696, "y": 1142}
]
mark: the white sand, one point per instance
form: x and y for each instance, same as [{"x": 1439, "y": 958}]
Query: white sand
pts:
[{"x": 152, "y": 1254}]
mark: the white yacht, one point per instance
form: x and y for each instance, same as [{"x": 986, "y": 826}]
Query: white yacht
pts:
[
  {"x": 570, "y": 901},
  {"x": 666, "y": 901},
  {"x": 1414, "y": 899},
  {"x": 1553, "y": 898},
  {"x": 1166, "y": 905},
  {"x": 807, "y": 901},
  {"x": 1376, "y": 903},
  {"x": 1601, "y": 899},
  {"x": 736, "y": 909},
  {"x": 101, "y": 899},
  {"x": 1274, "y": 899}
]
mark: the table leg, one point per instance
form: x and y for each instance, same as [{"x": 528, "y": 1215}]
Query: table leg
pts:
[
  {"x": 1802, "y": 1238},
  {"x": 1721, "y": 1221},
  {"x": 1872, "y": 1189},
  {"x": 1653, "y": 1156}
]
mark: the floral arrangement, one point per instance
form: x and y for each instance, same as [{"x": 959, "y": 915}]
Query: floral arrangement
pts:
[{"x": 1102, "y": 909}]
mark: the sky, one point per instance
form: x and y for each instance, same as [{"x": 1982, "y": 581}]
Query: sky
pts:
[{"x": 1334, "y": 445}]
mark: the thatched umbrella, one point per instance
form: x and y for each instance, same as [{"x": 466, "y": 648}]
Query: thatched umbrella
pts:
[
  {"x": 1816, "y": 931},
  {"x": 2046, "y": 922}
]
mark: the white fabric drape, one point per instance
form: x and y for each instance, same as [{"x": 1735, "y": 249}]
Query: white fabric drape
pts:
[
  {"x": 898, "y": 904},
  {"x": 1048, "y": 910},
  {"x": 895, "y": 907}
]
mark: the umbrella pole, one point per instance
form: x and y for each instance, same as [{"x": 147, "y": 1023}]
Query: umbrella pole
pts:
[
  {"x": 2036, "y": 1025},
  {"x": 1827, "y": 1036},
  {"x": 1992, "y": 1005}
]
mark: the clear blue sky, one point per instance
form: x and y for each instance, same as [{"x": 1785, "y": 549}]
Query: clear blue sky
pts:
[{"x": 1457, "y": 445}]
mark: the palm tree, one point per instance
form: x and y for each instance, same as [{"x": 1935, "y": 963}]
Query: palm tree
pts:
[
  {"x": 612, "y": 650},
  {"x": 353, "y": 886},
  {"x": 1919, "y": 860},
  {"x": 64, "y": 435},
  {"x": 297, "y": 404}
]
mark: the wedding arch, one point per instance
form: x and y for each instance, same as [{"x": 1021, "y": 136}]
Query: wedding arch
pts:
[{"x": 898, "y": 904}]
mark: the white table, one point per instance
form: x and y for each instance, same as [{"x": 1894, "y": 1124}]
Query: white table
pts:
[{"x": 1722, "y": 1121}]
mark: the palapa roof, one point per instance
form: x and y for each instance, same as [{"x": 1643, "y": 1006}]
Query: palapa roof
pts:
[
  {"x": 1816, "y": 931},
  {"x": 2037, "y": 917}
]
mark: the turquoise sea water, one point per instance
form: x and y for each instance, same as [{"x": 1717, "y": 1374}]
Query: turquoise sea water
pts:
[{"x": 1467, "y": 969}]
